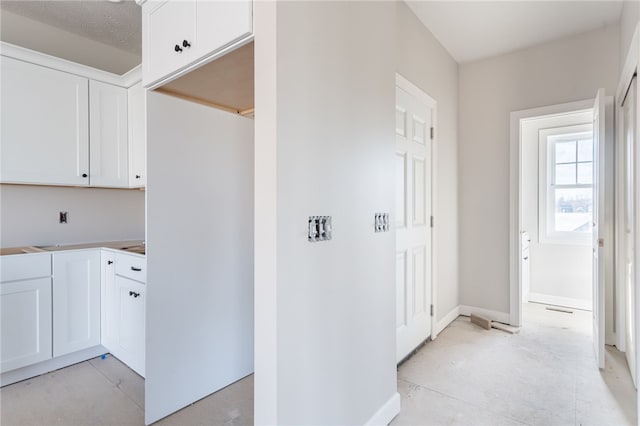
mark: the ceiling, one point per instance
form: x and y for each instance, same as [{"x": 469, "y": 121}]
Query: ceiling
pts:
[
  {"x": 472, "y": 30},
  {"x": 115, "y": 24}
]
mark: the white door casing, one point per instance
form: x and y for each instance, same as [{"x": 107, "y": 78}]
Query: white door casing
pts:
[
  {"x": 599, "y": 138},
  {"x": 413, "y": 220},
  {"x": 629, "y": 226}
]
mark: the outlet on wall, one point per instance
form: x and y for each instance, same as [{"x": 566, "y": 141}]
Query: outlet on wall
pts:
[{"x": 63, "y": 217}]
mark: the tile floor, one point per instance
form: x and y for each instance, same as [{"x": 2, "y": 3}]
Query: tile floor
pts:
[{"x": 545, "y": 375}]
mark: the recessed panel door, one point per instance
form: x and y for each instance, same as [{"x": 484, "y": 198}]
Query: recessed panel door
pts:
[{"x": 412, "y": 220}]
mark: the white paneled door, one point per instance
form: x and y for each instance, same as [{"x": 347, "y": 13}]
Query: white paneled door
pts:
[{"x": 412, "y": 219}]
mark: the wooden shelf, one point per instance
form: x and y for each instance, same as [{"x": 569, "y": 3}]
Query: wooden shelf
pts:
[{"x": 225, "y": 83}]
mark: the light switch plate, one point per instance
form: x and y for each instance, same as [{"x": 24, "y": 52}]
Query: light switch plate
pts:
[{"x": 320, "y": 228}]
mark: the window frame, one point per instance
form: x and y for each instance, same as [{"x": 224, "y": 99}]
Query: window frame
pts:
[{"x": 547, "y": 189}]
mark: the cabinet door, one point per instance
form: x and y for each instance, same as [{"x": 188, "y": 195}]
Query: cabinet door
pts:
[
  {"x": 44, "y": 125},
  {"x": 108, "y": 135},
  {"x": 131, "y": 322},
  {"x": 220, "y": 23},
  {"x": 166, "y": 26},
  {"x": 25, "y": 323},
  {"x": 137, "y": 137},
  {"x": 109, "y": 328},
  {"x": 76, "y": 301}
]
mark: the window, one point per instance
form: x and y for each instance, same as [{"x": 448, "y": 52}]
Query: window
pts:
[{"x": 566, "y": 184}]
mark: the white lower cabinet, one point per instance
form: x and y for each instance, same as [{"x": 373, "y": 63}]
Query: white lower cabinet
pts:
[
  {"x": 76, "y": 301},
  {"x": 131, "y": 323},
  {"x": 25, "y": 317},
  {"x": 123, "y": 308}
]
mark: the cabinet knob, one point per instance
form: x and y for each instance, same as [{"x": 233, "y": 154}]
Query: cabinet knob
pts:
[
  {"x": 177, "y": 48},
  {"x": 109, "y": 262},
  {"x": 185, "y": 43},
  {"x": 134, "y": 294},
  {"x": 138, "y": 176},
  {"x": 84, "y": 175}
]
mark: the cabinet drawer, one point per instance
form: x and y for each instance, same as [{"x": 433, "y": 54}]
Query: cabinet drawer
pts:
[
  {"x": 133, "y": 267},
  {"x": 25, "y": 266}
]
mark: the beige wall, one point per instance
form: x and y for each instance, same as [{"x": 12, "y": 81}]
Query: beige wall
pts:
[
  {"x": 325, "y": 311},
  {"x": 422, "y": 60},
  {"x": 630, "y": 19},
  {"x": 35, "y": 35},
  {"x": 489, "y": 90},
  {"x": 29, "y": 215}
]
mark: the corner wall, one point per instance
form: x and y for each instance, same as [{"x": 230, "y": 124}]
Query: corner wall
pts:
[
  {"x": 325, "y": 311},
  {"x": 563, "y": 71},
  {"x": 629, "y": 20},
  {"x": 422, "y": 60}
]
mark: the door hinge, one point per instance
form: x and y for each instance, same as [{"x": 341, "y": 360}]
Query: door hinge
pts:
[
  {"x": 431, "y": 221},
  {"x": 432, "y": 309},
  {"x": 432, "y": 133}
]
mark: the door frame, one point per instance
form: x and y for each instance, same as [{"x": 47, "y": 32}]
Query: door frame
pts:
[
  {"x": 515, "y": 198},
  {"x": 406, "y": 85},
  {"x": 629, "y": 70}
]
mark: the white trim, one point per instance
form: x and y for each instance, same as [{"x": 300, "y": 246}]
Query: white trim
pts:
[
  {"x": 446, "y": 320},
  {"x": 16, "y": 52},
  {"x": 492, "y": 315},
  {"x": 414, "y": 90},
  {"x": 515, "y": 198},
  {"x": 44, "y": 367},
  {"x": 386, "y": 413},
  {"x": 569, "y": 302}
]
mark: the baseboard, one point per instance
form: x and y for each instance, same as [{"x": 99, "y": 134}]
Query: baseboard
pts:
[
  {"x": 386, "y": 413},
  {"x": 492, "y": 315},
  {"x": 568, "y": 302},
  {"x": 53, "y": 364},
  {"x": 446, "y": 320}
]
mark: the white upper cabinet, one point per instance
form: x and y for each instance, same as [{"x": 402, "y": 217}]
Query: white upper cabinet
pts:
[
  {"x": 44, "y": 125},
  {"x": 169, "y": 36},
  {"x": 176, "y": 34},
  {"x": 108, "y": 135},
  {"x": 137, "y": 137},
  {"x": 76, "y": 300},
  {"x": 58, "y": 128}
]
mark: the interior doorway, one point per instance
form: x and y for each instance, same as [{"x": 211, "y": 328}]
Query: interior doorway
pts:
[
  {"x": 569, "y": 207},
  {"x": 557, "y": 209}
]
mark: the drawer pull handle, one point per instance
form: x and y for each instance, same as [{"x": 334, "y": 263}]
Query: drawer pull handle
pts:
[
  {"x": 134, "y": 294},
  {"x": 133, "y": 268}
]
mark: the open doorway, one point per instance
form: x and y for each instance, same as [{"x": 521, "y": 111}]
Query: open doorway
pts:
[
  {"x": 562, "y": 214},
  {"x": 557, "y": 210}
]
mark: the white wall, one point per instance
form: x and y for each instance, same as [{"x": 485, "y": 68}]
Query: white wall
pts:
[
  {"x": 199, "y": 252},
  {"x": 558, "y": 271},
  {"x": 422, "y": 60},
  {"x": 29, "y": 215},
  {"x": 566, "y": 70},
  {"x": 325, "y": 311},
  {"x": 35, "y": 35},
  {"x": 629, "y": 20}
]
